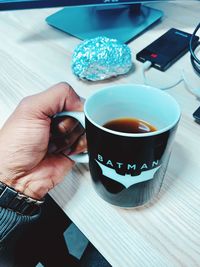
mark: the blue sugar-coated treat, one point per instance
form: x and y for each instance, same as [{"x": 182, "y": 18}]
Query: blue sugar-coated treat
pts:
[{"x": 101, "y": 58}]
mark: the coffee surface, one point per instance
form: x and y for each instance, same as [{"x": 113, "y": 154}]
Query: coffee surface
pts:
[{"x": 129, "y": 125}]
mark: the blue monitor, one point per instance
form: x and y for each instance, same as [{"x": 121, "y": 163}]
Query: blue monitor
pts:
[{"x": 85, "y": 19}]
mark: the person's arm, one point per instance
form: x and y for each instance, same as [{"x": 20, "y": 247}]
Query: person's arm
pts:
[
  {"x": 30, "y": 160},
  {"x": 9, "y": 220}
]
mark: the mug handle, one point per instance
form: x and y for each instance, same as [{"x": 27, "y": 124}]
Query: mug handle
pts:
[{"x": 82, "y": 157}]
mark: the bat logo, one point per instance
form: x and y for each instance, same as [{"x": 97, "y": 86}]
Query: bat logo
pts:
[{"x": 127, "y": 180}]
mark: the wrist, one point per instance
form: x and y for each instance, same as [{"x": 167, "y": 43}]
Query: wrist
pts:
[
  {"x": 24, "y": 186},
  {"x": 10, "y": 199}
]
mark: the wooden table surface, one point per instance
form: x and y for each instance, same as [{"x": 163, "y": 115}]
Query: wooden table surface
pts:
[{"x": 33, "y": 56}]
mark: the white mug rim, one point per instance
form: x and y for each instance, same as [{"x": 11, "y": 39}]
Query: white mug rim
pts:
[{"x": 155, "y": 133}]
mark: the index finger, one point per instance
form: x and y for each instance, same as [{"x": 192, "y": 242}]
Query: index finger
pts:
[{"x": 60, "y": 97}]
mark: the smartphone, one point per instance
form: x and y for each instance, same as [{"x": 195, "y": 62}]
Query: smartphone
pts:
[
  {"x": 167, "y": 49},
  {"x": 196, "y": 115}
]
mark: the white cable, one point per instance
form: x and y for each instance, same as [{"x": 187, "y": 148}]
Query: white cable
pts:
[
  {"x": 190, "y": 89},
  {"x": 194, "y": 91},
  {"x": 146, "y": 66}
]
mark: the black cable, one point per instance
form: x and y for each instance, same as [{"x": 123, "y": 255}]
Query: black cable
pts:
[{"x": 193, "y": 46}]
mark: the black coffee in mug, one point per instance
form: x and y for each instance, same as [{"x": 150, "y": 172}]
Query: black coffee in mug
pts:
[
  {"x": 128, "y": 157},
  {"x": 129, "y": 125}
]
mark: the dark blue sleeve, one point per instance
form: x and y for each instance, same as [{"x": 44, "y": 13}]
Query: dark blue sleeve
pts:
[{"x": 9, "y": 220}]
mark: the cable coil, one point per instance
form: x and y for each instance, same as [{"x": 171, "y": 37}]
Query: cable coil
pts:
[{"x": 193, "y": 47}]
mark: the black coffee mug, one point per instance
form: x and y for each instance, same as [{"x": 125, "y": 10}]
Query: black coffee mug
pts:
[{"x": 127, "y": 169}]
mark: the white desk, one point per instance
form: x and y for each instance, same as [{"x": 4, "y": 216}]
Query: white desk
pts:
[{"x": 34, "y": 56}]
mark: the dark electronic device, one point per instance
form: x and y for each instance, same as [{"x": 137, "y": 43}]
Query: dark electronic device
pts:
[
  {"x": 167, "y": 49},
  {"x": 85, "y": 19},
  {"x": 196, "y": 115}
]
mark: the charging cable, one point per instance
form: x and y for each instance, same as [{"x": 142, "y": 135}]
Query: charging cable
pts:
[
  {"x": 190, "y": 89},
  {"x": 194, "y": 91},
  {"x": 194, "y": 59},
  {"x": 146, "y": 66}
]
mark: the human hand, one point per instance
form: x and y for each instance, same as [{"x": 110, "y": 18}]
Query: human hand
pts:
[{"x": 30, "y": 158}]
